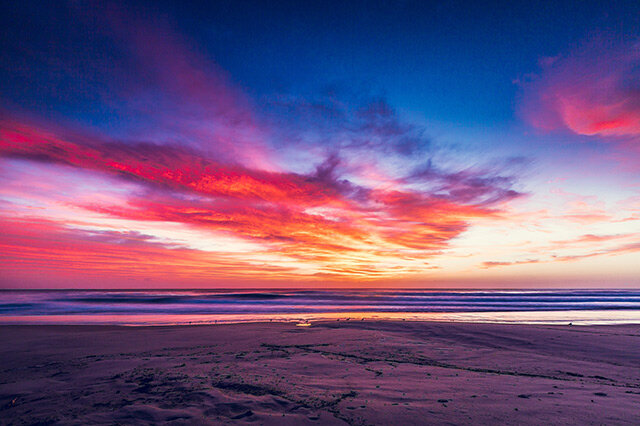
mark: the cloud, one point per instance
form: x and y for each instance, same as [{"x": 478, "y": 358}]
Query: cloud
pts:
[
  {"x": 583, "y": 247},
  {"x": 140, "y": 80},
  {"x": 469, "y": 185},
  {"x": 493, "y": 264},
  {"x": 612, "y": 251},
  {"x": 203, "y": 155},
  {"x": 592, "y": 91},
  {"x": 170, "y": 166},
  {"x": 317, "y": 218},
  {"x": 343, "y": 121},
  {"x": 591, "y": 238},
  {"x": 33, "y": 248}
]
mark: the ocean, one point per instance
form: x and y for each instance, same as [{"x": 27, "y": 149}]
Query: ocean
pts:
[{"x": 179, "y": 307}]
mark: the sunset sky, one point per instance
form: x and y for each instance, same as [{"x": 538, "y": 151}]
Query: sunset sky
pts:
[{"x": 317, "y": 144}]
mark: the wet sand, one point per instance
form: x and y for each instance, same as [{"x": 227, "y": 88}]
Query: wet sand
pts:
[{"x": 347, "y": 372}]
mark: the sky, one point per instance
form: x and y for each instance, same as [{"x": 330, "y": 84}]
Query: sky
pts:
[{"x": 236, "y": 144}]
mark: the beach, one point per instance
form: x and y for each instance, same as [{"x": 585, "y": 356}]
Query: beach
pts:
[{"x": 333, "y": 372}]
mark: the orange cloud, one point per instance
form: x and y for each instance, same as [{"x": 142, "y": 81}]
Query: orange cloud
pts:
[
  {"x": 35, "y": 248},
  {"x": 332, "y": 226}
]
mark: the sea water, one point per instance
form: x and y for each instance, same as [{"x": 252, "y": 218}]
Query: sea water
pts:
[{"x": 175, "y": 307}]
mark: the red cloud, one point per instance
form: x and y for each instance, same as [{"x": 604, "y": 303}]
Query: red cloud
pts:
[
  {"x": 170, "y": 166},
  {"x": 314, "y": 219}
]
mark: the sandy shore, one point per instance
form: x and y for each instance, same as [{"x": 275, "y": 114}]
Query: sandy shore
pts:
[{"x": 330, "y": 373}]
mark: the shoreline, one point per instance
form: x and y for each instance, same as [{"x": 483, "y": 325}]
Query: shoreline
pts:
[{"x": 533, "y": 317}]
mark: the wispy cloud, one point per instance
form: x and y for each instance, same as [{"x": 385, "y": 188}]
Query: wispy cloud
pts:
[
  {"x": 592, "y": 91},
  {"x": 493, "y": 264},
  {"x": 317, "y": 217},
  {"x": 583, "y": 247},
  {"x": 333, "y": 186}
]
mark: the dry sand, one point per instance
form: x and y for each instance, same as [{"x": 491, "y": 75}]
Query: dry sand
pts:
[{"x": 330, "y": 373}]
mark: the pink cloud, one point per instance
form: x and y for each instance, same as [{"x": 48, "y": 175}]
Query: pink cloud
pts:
[
  {"x": 170, "y": 91},
  {"x": 592, "y": 91}
]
